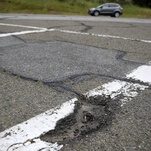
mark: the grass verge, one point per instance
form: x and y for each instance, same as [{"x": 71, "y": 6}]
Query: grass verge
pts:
[{"x": 69, "y": 7}]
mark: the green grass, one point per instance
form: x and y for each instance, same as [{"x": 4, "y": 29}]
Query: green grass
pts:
[
  {"x": 136, "y": 11},
  {"x": 72, "y": 7}
]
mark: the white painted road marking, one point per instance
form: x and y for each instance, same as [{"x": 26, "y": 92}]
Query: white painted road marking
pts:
[
  {"x": 37, "y": 30},
  {"x": 115, "y": 88},
  {"x": 22, "y": 26},
  {"x": 17, "y": 137},
  {"x": 143, "y": 73},
  {"x": 22, "y": 33},
  {"x": 101, "y": 35},
  {"x": 40, "y": 30},
  {"x": 25, "y": 136}
]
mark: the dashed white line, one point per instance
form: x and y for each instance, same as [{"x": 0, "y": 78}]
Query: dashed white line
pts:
[{"x": 25, "y": 136}]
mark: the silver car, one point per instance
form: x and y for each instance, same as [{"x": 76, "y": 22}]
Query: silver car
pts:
[{"x": 111, "y": 9}]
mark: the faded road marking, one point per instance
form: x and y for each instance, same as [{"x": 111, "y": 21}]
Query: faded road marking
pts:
[
  {"x": 26, "y": 136},
  {"x": 101, "y": 35},
  {"x": 113, "y": 89},
  {"x": 37, "y": 30},
  {"x": 22, "y": 33},
  {"x": 40, "y": 30},
  {"x": 22, "y": 26}
]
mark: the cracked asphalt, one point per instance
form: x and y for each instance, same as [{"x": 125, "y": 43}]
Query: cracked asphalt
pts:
[{"x": 39, "y": 71}]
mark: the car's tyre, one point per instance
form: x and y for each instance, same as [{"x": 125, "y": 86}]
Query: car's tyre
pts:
[
  {"x": 96, "y": 13},
  {"x": 116, "y": 14}
]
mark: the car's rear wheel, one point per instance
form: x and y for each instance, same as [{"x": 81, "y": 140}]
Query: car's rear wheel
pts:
[
  {"x": 116, "y": 14},
  {"x": 96, "y": 13}
]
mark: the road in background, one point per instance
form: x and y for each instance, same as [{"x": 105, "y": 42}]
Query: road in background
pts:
[{"x": 48, "y": 60}]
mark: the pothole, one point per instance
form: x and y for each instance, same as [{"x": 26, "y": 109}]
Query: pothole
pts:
[{"x": 89, "y": 115}]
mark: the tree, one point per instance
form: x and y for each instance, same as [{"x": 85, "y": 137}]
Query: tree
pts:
[
  {"x": 146, "y": 3},
  {"x": 115, "y": 1}
]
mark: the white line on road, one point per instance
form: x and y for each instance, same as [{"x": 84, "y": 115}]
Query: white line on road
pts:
[
  {"x": 101, "y": 35},
  {"x": 22, "y": 26},
  {"x": 19, "y": 136},
  {"x": 143, "y": 73},
  {"x": 40, "y": 30},
  {"x": 22, "y": 33},
  {"x": 37, "y": 30},
  {"x": 25, "y": 136}
]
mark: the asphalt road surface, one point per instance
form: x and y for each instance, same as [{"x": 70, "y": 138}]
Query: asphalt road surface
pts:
[{"x": 47, "y": 60}]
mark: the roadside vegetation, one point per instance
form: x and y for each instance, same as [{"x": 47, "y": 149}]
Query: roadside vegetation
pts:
[{"x": 131, "y": 8}]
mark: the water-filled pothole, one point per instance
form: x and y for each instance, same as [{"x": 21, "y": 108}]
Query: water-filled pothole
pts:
[{"x": 89, "y": 114}]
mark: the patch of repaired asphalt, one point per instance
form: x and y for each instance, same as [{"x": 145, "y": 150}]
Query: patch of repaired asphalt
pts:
[
  {"x": 140, "y": 49},
  {"x": 54, "y": 61},
  {"x": 90, "y": 114}
]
